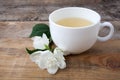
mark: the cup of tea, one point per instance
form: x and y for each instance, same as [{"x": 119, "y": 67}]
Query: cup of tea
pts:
[{"x": 76, "y": 29}]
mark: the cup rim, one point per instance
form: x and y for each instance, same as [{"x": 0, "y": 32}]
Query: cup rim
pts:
[{"x": 50, "y": 20}]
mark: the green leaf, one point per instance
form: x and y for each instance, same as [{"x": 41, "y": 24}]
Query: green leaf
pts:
[
  {"x": 32, "y": 51},
  {"x": 39, "y": 29}
]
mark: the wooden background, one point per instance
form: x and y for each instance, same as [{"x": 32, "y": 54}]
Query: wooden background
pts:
[
  {"x": 37, "y": 10},
  {"x": 17, "y": 17}
]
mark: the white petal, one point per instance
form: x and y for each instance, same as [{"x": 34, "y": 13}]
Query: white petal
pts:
[
  {"x": 43, "y": 60},
  {"x": 36, "y": 38},
  {"x": 35, "y": 56},
  {"x": 58, "y": 50},
  {"x": 50, "y": 61},
  {"x": 42, "y": 64},
  {"x": 52, "y": 70},
  {"x": 62, "y": 64},
  {"x": 40, "y": 42},
  {"x": 46, "y": 53},
  {"x": 58, "y": 53},
  {"x": 38, "y": 45},
  {"x": 46, "y": 40}
]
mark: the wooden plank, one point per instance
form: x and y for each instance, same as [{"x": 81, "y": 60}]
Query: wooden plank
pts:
[
  {"x": 34, "y": 10},
  {"x": 23, "y": 29},
  {"x": 101, "y": 62},
  {"x": 44, "y": 2}
]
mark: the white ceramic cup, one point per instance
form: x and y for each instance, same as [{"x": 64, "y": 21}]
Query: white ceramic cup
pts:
[{"x": 77, "y": 39}]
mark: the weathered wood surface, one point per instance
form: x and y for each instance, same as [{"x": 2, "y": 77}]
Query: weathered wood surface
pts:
[
  {"x": 45, "y": 2},
  {"x": 22, "y": 29},
  {"x": 101, "y": 62},
  {"x": 37, "y": 10}
]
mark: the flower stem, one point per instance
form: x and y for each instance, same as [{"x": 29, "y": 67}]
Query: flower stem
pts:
[{"x": 47, "y": 47}]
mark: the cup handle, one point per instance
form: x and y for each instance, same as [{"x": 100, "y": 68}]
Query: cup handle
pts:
[{"x": 106, "y": 24}]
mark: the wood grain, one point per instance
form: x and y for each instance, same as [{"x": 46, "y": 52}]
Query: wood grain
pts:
[
  {"x": 101, "y": 62},
  {"x": 39, "y": 10},
  {"x": 45, "y": 2},
  {"x": 23, "y": 29}
]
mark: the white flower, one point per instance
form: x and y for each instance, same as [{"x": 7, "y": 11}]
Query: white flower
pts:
[
  {"x": 48, "y": 60},
  {"x": 35, "y": 56},
  {"x": 58, "y": 53},
  {"x": 40, "y": 42}
]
